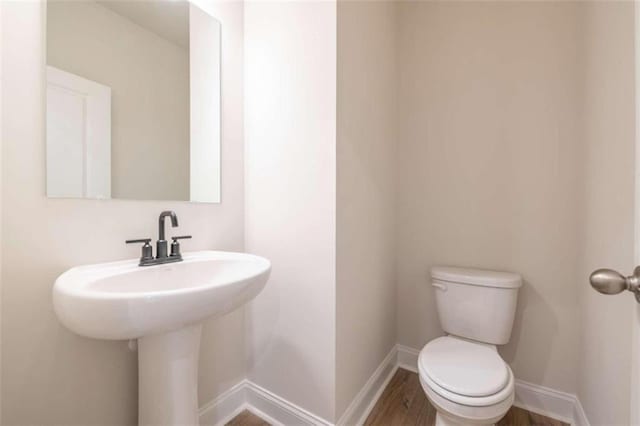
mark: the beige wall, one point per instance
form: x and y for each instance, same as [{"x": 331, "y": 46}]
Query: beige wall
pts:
[
  {"x": 50, "y": 375},
  {"x": 605, "y": 357},
  {"x": 290, "y": 138},
  {"x": 366, "y": 202},
  {"x": 149, "y": 80},
  {"x": 515, "y": 120},
  {"x": 489, "y": 168}
]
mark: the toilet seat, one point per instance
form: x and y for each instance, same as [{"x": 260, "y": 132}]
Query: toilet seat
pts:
[
  {"x": 464, "y": 367},
  {"x": 466, "y": 373},
  {"x": 457, "y": 414}
]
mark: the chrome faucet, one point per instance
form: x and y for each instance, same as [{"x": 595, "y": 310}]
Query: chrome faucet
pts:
[
  {"x": 147, "y": 259},
  {"x": 161, "y": 245}
]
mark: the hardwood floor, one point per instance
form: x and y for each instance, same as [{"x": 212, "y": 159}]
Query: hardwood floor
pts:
[
  {"x": 247, "y": 418},
  {"x": 519, "y": 417},
  {"x": 403, "y": 402}
]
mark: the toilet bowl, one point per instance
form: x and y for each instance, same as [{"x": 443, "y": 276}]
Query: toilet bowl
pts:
[
  {"x": 462, "y": 373},
  {"x": 467, "y": 382}
]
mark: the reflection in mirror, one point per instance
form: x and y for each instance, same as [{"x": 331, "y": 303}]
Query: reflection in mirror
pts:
[{"x": 133, "y": 100}]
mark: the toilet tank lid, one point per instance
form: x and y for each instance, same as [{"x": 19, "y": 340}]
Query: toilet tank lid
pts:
[{"x": 478, "y": 277}]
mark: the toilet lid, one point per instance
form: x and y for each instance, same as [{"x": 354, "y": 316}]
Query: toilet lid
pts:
[{"x": 463, "y": 367}]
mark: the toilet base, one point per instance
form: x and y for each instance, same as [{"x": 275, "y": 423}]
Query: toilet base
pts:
[{"x": 445, "y": 421}]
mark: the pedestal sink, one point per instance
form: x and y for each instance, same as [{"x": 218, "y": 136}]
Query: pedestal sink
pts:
[{"x": 163, "y": 308}]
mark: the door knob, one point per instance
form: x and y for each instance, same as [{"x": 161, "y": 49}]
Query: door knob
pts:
[{"x": 608, "y": 281}]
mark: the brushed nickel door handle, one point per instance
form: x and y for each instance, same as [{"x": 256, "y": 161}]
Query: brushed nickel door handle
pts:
[{"x": 608, "y": 281}]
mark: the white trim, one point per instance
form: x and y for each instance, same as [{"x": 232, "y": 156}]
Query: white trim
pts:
[
  {"x": 278, "y": 409},
  {"x": 545, "y": 401},
  {"x": 94, "y": 143},
  {"x": 359, "y": 409},
  {"x": 579, "y": 416},
  {"x": 225, "y": 407},
  {"x": 262, "y": 415},
  {"x": 246, "y": 395},
  {"x": 408, "y": 358}
]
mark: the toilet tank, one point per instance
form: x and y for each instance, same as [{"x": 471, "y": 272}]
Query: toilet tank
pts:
[{"x": 476, "y": 304}]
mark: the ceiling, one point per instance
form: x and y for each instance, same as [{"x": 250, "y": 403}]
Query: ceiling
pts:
[{"x": 168, "y": 19}]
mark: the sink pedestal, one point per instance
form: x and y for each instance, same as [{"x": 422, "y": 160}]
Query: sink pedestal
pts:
[
  {"x": 122, "y": 301},
  {"x": 168, "y": 377}
]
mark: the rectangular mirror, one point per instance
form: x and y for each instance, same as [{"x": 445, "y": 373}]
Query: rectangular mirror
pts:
[{"x": 133, "y": 100}]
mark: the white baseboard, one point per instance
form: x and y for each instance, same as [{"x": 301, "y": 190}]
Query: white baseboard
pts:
[
  {"x": 545, "y": 401},
  {"x": 246, "y": 395},
  {"x": 225, "y": 407},
  {"x": 579, "y": 416},
  {"x": 357, "y": 412},
  {"x": 408, "y": 358},
  {"x": 276, "y": 410}
]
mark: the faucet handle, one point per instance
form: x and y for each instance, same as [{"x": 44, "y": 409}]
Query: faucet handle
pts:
[
  {"x": 141, "y": 240},
  {"x": 175, "y": 245},
  {"x": 147, "y": 250}
]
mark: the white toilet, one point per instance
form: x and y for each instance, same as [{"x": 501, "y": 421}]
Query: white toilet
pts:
[{"x": 462, "y": 373}]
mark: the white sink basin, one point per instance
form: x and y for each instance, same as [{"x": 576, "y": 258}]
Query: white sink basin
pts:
[
  {"x": 162, "y": 306},
  {"x": 121, "y": 300}
]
